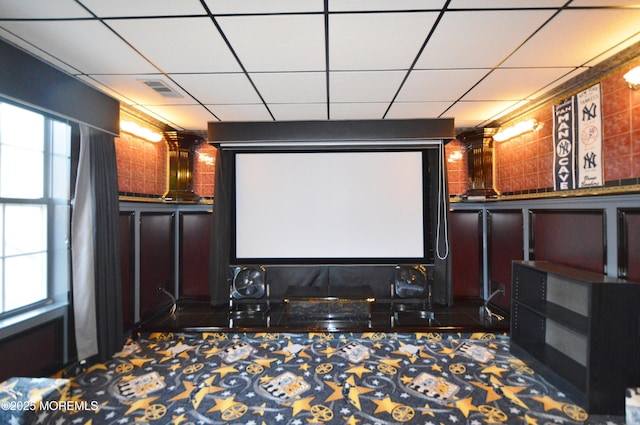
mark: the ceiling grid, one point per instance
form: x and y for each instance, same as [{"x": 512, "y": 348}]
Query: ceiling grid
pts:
[{"x": 285, "y": 60}]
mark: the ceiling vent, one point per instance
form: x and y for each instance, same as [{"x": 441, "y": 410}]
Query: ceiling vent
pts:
[{"x": 161, "y": 88}]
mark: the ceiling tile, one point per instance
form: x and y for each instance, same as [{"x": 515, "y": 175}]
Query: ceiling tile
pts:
[
  {"x": 413, "y": 110},
  {"x": 280, "y": 45},
  {"x": 121, "y": 97},
  {"x": 616, "y": 49},
  {"x": 368, "y": 86},
  {"x": 277, "y": 43},
  {"x": 589, "y": 33},
  {"x": 132, "y": 88},
  {"x": 292, "y": 87},
  {"x": 218, "y": 88},
  {"x": 594, "y": 3},
  {"x": 354, "y": 5},
  {"x": 155, "y": 116},
  {"x": 515, "y": 84},
  {"x": 46, "y": 57},
  {"x": 241, "y": 112},
  {"x": 144, "y": 7},
  {"x": 173, "y": 46},
  {"x": 462, "y": 41},
  {"x": 38, "y": 9},
  {"x": 358, "y": 111},
  {"x": 262, "y": 6},
  {"x": 188, "y": 117},
  {"x": 377, "y": 41},
  {"x": 76, "y": 44},
  {"x": 504, "y": 4},
  {"x": 480, "y": 112},
  {"x": 299, "y": 111},
  {"x": 438, "y": 85}
]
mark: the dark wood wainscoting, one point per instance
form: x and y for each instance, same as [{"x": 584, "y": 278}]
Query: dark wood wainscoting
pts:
[
  {"x": 629, "y": 244},
  {"x": 574, "y": 238},
  {"x": 505, "y": 244},
  {"x": 34, "y": 352},
  {"x": 465, "y": 233},
  {"x": 195, "y": 242},
  {"x": 156, "y": 259}
]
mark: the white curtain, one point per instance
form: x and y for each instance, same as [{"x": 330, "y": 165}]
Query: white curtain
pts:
[
  {"x": 95, "y": 238},
  {"x": 82, "y": 254}
]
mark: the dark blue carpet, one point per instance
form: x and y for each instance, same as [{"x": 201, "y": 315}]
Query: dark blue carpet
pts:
[{"x": 312, "y": 378}]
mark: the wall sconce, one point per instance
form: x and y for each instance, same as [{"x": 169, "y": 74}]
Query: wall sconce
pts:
[
  {"x": 454, "y": 156},
  {"x": 633, "y": 78},
  {"x": 205, "y": 158},
  {"x": 516, "y": 130},
  {"x": 139, "y": 131}
]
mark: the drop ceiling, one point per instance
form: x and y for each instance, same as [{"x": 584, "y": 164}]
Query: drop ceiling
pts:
[{"x": 281, "y": 60}]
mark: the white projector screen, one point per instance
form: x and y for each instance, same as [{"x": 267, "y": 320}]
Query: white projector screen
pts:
[{"x": 329, "y": 205}]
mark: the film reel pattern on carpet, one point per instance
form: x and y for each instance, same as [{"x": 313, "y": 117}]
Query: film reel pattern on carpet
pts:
[{"x": 314, "y": 378}]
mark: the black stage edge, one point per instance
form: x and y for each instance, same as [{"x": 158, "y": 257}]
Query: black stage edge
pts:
[{"x": 200, "y": 316}]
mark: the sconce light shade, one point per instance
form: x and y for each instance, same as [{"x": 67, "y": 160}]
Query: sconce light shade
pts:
[
  {"x": 633, "y": 78},
  {"x": 455, "y": 156},
  {"x": 139, "y": 131},
  {"x": 515, "y": 130}
]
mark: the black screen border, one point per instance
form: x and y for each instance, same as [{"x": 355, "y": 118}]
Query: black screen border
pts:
[{"x": 428, "y": 213}]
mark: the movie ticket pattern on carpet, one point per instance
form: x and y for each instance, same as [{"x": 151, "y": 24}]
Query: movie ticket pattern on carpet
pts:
[{"x": 310, "y": 378}]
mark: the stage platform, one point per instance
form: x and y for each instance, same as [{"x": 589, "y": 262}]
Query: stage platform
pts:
[{"x": 199, "y": 316}]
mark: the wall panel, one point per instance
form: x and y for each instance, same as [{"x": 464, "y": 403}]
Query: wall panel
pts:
[
  {"x": 195, "y": 241},
  {"x": 629, "y": 243},
  {"x": 156, "y": 259},
  {"x": 505, "y": 244},
  {"x": 570, "y": 237},
  {"x": 465, "y": 234},
  {"x": 34, "y": 352}
]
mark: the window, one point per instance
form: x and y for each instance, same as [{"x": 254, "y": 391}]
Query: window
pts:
[{"x": 34, "y": 208}]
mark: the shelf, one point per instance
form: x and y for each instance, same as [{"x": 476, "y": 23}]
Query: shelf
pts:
[
  {"x": 581, "y": 329},
  {"x": 565, "y": 317},
  {"x": 566, "y": 272},
  {"x": 561, "y": 370},
  {"x": 565, "y": 367}
]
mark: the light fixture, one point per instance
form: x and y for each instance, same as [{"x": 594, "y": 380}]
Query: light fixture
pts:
[
  {"x": 205, "y": 158},
  {"x": 455, "y": 156},
  {"x": 139, "y": 131},
  {"x": 515, "y": 130},
  {"x": 633, "y": 78}
]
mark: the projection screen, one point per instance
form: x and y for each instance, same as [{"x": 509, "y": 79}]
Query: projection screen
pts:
[{"x": 329, "y": 205}]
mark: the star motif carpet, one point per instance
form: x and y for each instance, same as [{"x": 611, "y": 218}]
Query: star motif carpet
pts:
[{"x": 307, "y": 378}]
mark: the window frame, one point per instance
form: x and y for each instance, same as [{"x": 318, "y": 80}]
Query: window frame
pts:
[{"x": 58, "y": 276}]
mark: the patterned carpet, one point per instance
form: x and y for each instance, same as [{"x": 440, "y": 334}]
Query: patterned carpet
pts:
[{"x": 315, "y": 378}]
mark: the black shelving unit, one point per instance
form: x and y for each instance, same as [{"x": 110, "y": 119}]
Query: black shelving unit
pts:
[{"x": 579, "y": 327}]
